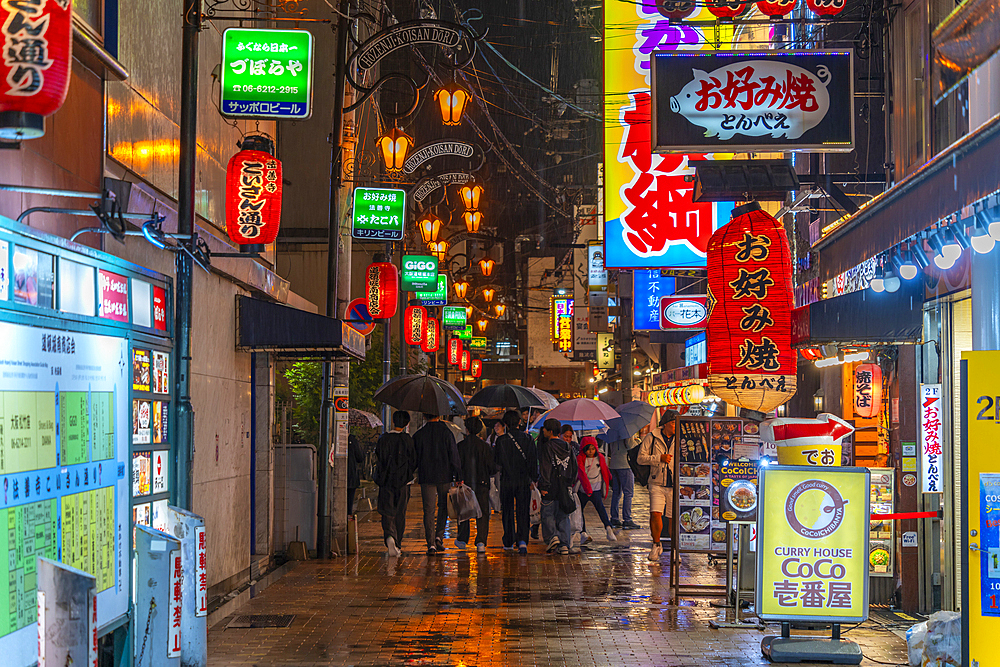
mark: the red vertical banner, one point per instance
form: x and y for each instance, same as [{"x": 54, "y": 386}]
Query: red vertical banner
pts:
[
  {"x": 114, "y": 296},
  {"x": 174, "y": 608},
  {"x": 751, "y": 362},
  {"x": 455, "y": 351},
  {"x": 432, "y": 335}
]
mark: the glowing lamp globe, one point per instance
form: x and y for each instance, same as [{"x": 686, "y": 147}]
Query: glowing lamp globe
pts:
[
  {"x": 452, "y": 100},
  {"x": 470, "y": 194},
  {"x": 488, "y": 294},
  {"x": 461, "y": 289},
  {"x": 486, "y": 266},
  {"x": 482, "y": 324},
  {"x": 472, "y": 220},
  {"x": 394, "y": 146},
  {"x": 430, "y": 227}
]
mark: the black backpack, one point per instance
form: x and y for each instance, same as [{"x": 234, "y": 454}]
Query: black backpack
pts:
[{"x": 641, "y": 472}]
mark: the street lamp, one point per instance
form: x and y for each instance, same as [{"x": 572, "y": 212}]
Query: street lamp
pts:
[
  {"x": 501, "y": 309},
  {"x": 486, "y": 266},
  {"x": 430, "y": 227},
  {"x": 468, "y": 312},
  {"x": 472, "y": 220},
  {"x": 470, "y": 194},
  {"x": 438, "y": 249},
  {"x": 452, "y": 100},
  {"x": 482, "y": 324},
  {"x": 395, "y": 145},
  {"x": 461, "y": 289},
  {"x": 488, "y": 294}
]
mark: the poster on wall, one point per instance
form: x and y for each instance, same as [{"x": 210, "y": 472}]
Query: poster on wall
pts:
[
  {"x": 930, "y": 437},
  {"x": 161, "y": 372},
  {"x": 140, "y": 370},
  {"x": 64, "y": 466},
  {"x": 650, "y": 220}
]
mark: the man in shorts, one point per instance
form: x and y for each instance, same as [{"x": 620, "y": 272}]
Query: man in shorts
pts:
[{"x": 657, "y": 452}]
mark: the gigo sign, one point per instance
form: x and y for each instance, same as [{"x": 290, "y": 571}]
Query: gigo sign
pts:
[
  {"x": 420, "y": 273},
  {"x": 683, "y": 312},
  {"x": 812, "y": 553}
]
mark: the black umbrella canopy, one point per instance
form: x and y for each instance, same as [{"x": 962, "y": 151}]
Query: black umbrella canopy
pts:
[
  {"x": 422, "y": 393},
  {"x": 506, "y": 396}
]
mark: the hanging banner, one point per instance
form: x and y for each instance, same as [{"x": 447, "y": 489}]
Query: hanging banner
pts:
[
  {"x": 735, "y": 101},
  {"x": 650, "y": 221},
  {"x": 812, "y": 530},
  {"x": 597, "y": 275},
  {"x": 648, "y": 288},
  {"x": 605, "y": 351},
  {"x": 931, "y": 435}
]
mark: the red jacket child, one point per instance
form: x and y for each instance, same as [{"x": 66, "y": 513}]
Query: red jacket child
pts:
[{"x": 588, "y": 445}]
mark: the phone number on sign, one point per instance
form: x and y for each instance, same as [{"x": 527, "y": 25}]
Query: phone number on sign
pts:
[{"x": 265, "y": 89}]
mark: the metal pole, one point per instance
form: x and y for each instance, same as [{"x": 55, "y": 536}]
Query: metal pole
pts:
[
  {"x": 184, "y": 438},
  {"x": 386, "y": 364},
  {"x": 325, "y": 488},
  {"x": 625, "y": 331}
]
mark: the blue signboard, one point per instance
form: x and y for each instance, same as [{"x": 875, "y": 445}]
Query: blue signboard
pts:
[
  {"x": 989, "y": 542},
  {"x": 648, "y": 288}
]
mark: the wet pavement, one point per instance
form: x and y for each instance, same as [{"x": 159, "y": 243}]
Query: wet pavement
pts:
[{"x": 606, "y": 606}]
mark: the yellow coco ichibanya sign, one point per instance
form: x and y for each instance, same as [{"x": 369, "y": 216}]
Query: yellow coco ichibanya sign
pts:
[{"x": 812, "y": 556}]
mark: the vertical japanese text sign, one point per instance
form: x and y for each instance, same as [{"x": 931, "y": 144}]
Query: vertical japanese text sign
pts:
[
  {"x": 650, "y": 220},
  {"x": 931, "y": 431},
  {"x": 267, "y": 73},
  {"x": 812, "y": 552}
]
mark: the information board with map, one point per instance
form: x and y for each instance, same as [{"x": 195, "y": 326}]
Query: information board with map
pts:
[{"x": 64, "y": 464}]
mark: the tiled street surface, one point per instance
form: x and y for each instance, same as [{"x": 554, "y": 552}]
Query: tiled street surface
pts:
[{"x": 607, "y": 606}]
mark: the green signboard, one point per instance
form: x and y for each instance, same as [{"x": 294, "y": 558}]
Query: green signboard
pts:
[
  {"x": 464, "y": 334},
  {"x": 420, "y": 273},
  {"x": 453, "y": 317},
  {"x": 437, "y": 298},
  {"x": 267, "y": 73},
  {"x": 477, "y": 344},
  {"x": 378, "y": 214}
]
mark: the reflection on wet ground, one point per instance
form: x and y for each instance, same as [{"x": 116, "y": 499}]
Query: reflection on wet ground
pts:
[{"x": 607, "y": 606}]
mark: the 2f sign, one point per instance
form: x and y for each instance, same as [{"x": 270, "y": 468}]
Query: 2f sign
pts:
[{"x": 990, "y": 409}]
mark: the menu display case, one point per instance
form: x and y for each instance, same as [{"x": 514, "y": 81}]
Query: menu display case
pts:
[{"x": 881, "y": 533}]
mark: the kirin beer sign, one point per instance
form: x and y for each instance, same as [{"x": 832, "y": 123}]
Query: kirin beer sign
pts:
[{"x": 737, "y": 102}]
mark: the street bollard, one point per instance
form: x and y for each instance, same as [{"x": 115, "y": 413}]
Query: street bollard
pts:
[
  {"x": 67, "y": 615},
  {"x": 158, "y": 598},
  {"x": 190, "y": 530}
]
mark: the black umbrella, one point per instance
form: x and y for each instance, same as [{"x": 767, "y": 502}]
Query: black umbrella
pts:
[
  {"x": 422, "y": 393},
  {"x": 506, "y": 396}
]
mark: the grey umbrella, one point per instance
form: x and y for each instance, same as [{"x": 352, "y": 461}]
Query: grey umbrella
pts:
[
  {"x": 632, "y": 417},
  {"x": 422, "y": 393},
  {"x": 505, "y": 396}
]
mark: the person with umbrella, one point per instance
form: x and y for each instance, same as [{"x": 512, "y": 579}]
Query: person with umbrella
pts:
[
  {"x": 438, "y": 465},
  {"x": 557, "y": 471},
  {"x": 622, "y": 479},
  {"x": 479, "y": 467},
  {"x": 657, "y": 452},
  {"x": 396, "y": 461},
  {"x": 518, "y": 460}
]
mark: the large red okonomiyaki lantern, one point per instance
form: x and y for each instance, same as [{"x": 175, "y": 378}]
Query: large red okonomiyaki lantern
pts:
[
  {"x": 776, "y": 8},
  {"x": 432, "y": 336},
  {"x": 415, "y": 324},
  {"x": 867, "y": 390},
  {"x": 826, "y": 7},
  {"x": 725, "y": 9},
  {"x": 751, "y": 362},
  {"x": 253, "y": 194},
  {"x": 382, "y": 289},
  {"x": 455, "y": 351},
  {"x": 35, "y": 68}
]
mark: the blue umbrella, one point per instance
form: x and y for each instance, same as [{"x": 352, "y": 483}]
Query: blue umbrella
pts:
[{"x": 633, "y": 416}]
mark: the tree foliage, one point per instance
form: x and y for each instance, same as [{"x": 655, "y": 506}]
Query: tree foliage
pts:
[{"x": 305, "y": 379}]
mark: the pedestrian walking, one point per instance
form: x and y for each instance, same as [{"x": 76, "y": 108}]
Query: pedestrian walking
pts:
[
  {"x": 556, "y": 474},
  {"x": 594, "y": 478},
  {"x": 623, "y": 480},
  {"x": 567, "y": 434},
  {"x": 478, "y": 467},
  {"x": 438, "y": 466},
  {"x": 355, "y": 459},
  {"x": 657, "y": 452},
  {"x": 518, "y": 461},
  {"x": 395, "y": 463}
]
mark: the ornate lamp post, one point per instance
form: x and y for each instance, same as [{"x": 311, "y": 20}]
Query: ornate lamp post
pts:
[{"x": 452, "y": 100}]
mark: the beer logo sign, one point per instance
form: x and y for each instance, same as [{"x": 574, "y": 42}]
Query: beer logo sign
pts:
[{"x": 814, "y": 509}]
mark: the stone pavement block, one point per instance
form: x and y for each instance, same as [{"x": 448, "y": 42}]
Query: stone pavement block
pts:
[{"x": 607, "y": 606}]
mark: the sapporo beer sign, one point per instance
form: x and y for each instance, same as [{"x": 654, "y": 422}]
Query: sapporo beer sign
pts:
[
  {"x": 267, "y": 73},
  {"x": 733, "y": 101},
  {"x": 812, "y": 552}
]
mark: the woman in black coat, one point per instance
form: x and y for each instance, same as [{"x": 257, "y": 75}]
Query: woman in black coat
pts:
[{"x": 478, "y": 467}]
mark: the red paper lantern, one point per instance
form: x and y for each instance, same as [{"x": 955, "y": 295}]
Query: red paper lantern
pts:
[
  {"x": 726, "y": 9},
  {"x": 751, "y": 362},
  {"x": 465, "y": 363},
  {"x": 477, "y": 368},
  {"x": 675, "y": 9},
  {"x": 811, "y": 353},
  {"x": 776, "y": 8},
  {"x": 432, "y": 336},
  {"x": 826, "y": 7},
  {"x": 382, "y": 289},
  {"x": 253, "y": 193},
  {"x": 867, "y": 390},
  {"x": 35, "y": 69},
  {"x": 455, "y": 351},
  {"x": 415, "y": 325}
]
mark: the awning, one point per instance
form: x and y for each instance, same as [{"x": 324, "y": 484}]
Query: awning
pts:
[
  {"x": 862, "y": 318},
  {"x": 958, "y": 176},
  {"x": 263, "y": 326}
]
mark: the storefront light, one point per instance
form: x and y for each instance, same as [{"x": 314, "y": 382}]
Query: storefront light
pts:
[
  {"x": 890, "y": 281},
  {"x": 819, "y": 400},
  {"x": 982, "y": 240},
  {"x": 943, "y": 259},
  {"x": 878, "y": 282},
  {"x": 905, "y": 265}
]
